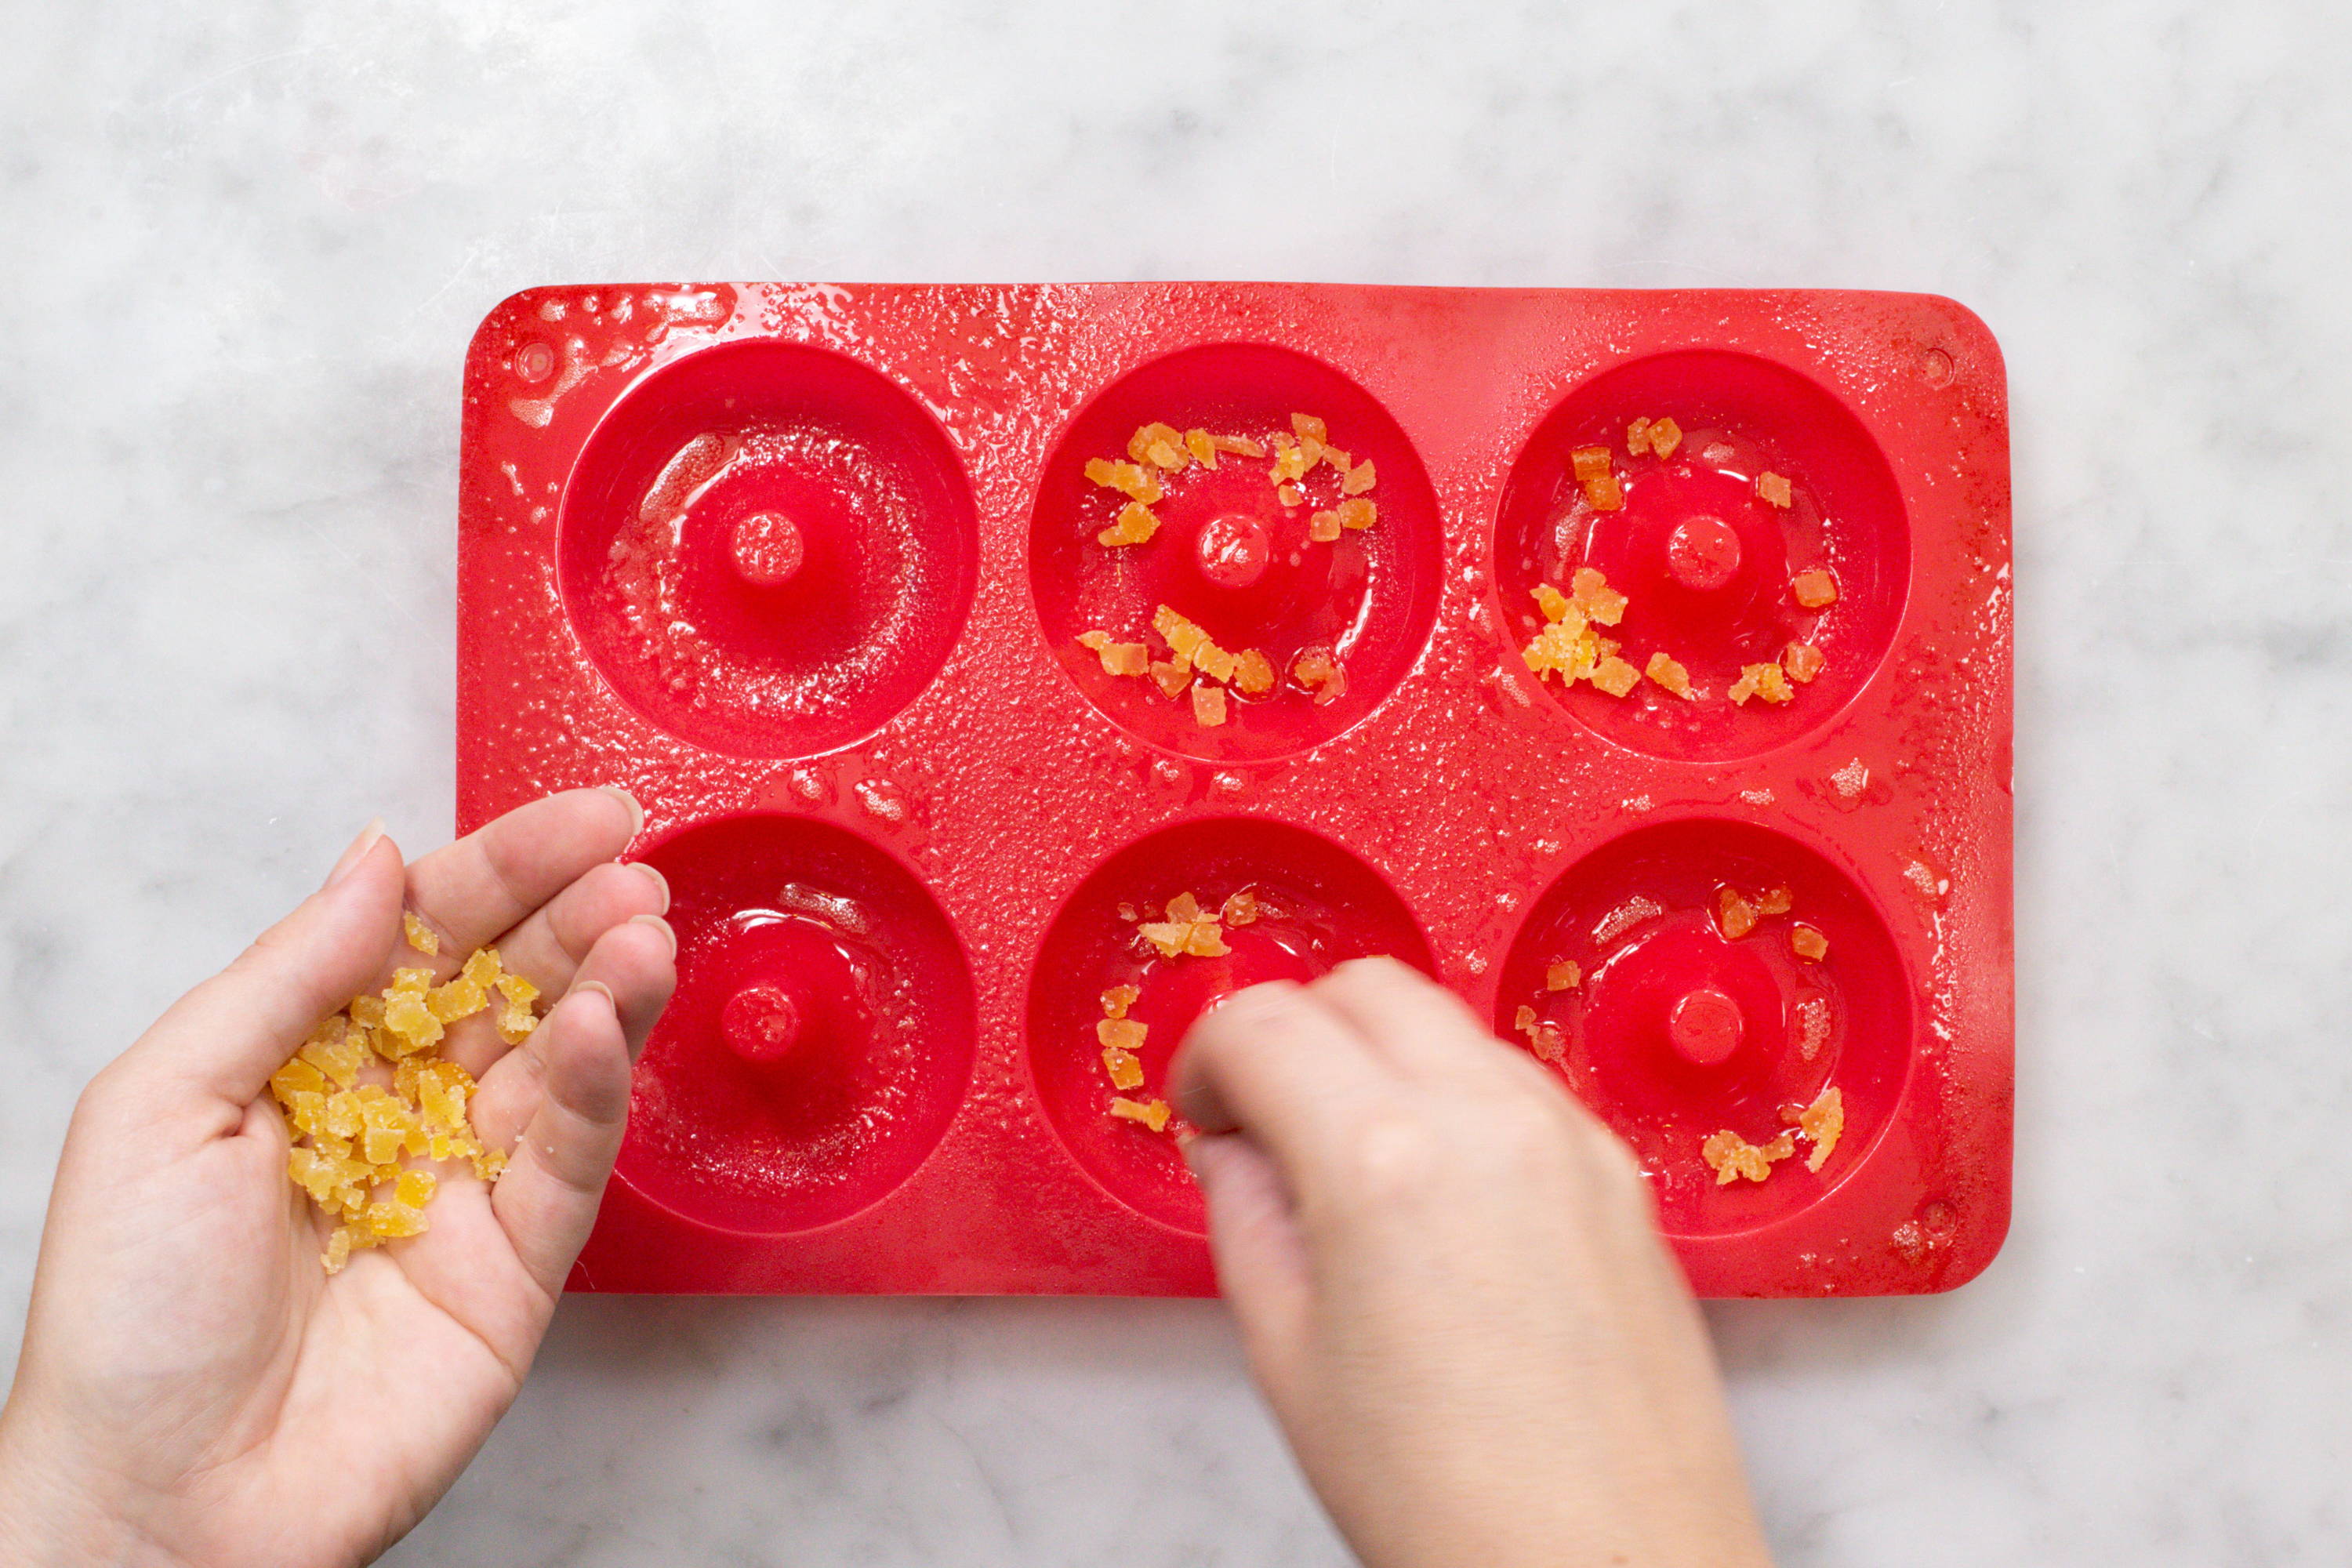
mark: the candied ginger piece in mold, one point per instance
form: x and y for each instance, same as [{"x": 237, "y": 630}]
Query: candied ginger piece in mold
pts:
[
  {"x": 1821, "y": 1124},
  {"x": 1202, "y": 447},
  {"x": 1116, "y": 1000},
  {"x": 1735, "y": 917},
  {"x": 1669, "y": 673},
  {"x": 1135, "y": 524},
  {"x": 1310, "y": 427},
  {"x": 1360, "y": 479},
  {"x": 1731, "y": 1157},
  {"x": 1323, "y": 527},
  {"x": 1152, "y": 1114},
  {"x": 1764, "y": 680},
  {"x": 1358, "y": 513},
  {"x": 1121, "y": 1034},
  {"x": 1774, "y": 490},
  {"x": 1146, "y": 437},
  {"x": 1565, "y": 975},
  {"x": 1125, "y": 1071},
  {"x": 1815, "y": 590},
  {"x": 1809, "y": 943},
  {"x": 1802, "y": 661},
  {"x": 1616, "y": 676},
  {"x": 1321, "y": 674},
  {"x": 1254, "y": 672},
  {"x": 1589, "y": 592},
  {"x": 1665, "y": 437},
  {"x": 1133, "y": 480}
]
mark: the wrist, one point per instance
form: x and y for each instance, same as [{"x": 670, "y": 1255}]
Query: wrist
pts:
[{"x": 56, "y": 1511}]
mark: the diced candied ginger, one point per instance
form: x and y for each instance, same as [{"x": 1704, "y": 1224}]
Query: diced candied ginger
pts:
[
  {"x": 1239, "y": 445},
  {"x": 1544, "y": 1037},
  {"x": 1323, "y": 527},
  {"x": 1242, "y": 909},
  {"x": 367, "y": 1012},
  {"x": 1125, "y": 1071},
  {"x": 1135, "y": 524},
  {"x": 338, "y": 1249},
  {"x": 1589, "y": 592},
  {"x": 1149, "y": 1113},
  {"x": 517, "y": 1022},
  {"x": 1809, "y": 943},
  {"x": 1815, "y": 590},
  {"x": 1320, "y": 673},
  {"x": 1290, "y": 495},
  {"x": 1337, "y": 460},
  {"x": 1764, "y": 680},
  {"x": 1359, "y": 480},
  {"x": 1589, "y": 463},
  {"x": 1194, "y": 646},
  {"x": 1358, "y": 513},
  {"x": 1117, "y": 1000},
  {"x": 461, "y": 998},
  {"x": 1774, "y": 490},
  {"x": 1173, "y": 676},
  {"x": 1254, "y": 672},
  {"x": 408, "y": 1025},
  {"x": 1121, "y": 1034},
  {"x": 1188, "y": 929},
  {"x": 1775, "y": 901},
  {"x": 395, "y": 1221},
  {"x": 1565, "y": 975},
  {"x": 420, "y": 936},
  {"x": 1153, "y": 441},
  {"x": 297, "y": 1076},
  {"x": 1821, "y": 1124},
  {"x": 1665, "y": 437},
  {"x": 1554, "y": 603},
  {"x": 1669, "y": 673},
  {"x": 1133, "y": 480},
  {"x": 1731, "y": 1156},
  {"x": 1735, "y": 917},
  {"x": 1308, "y": 426},
  {"x": 1802, "y": 661},
  {"x": 1604, "y": 494},
  {"x": 1290, "y": 460},
  {"x": 1202, "y": 447},
  {"x": 1118, "y": 657},
  {"x": 1616, "y": 676},
  {"x": 1637, "y": 437}
]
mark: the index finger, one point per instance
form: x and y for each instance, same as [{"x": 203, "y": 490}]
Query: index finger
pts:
[
  {"x": 1273, "y": 1061},
  {"x": 475, "y": 890}
]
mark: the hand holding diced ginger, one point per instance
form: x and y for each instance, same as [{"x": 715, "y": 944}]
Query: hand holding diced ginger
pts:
[{"x": 182, "y": 1327}]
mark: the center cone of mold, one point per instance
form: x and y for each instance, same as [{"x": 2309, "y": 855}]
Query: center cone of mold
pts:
[
  {"x": 1704, "y": 554},
  {"x": 1705, "y": 1026},
  {"x": 1232, "y": 549},
  {"x": 767, "y": 550},
  {"x": 763, "y": 1023}
]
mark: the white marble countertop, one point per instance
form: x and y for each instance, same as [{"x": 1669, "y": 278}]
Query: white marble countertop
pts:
[{"x": 241, "y": 252}]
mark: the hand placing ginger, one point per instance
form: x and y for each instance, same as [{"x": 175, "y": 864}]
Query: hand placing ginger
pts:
[
  {"x": 194, "y": 1389},
  {"x": 1451, "y": 1287}
]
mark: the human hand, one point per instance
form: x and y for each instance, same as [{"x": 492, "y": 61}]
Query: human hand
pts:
[
  {"x": 194, "y": 1388},
  {"x": 1451, "y": 1286}
]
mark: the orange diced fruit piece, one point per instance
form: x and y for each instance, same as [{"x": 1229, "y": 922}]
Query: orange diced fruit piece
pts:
[
  {"x": 1776, "y": 901},
  {"x": 1605, "y": 494},
  {"x": 1202, "y": 448},
  {"x": 1731, "y": 1157},
  {"x": 1637, "y": 437},
  {"x": 1821, "y": 1124},
  {"x": 1168, "y": 455},
  {"x": 1774, "y": 490},
  {"x": 1309, "y": 426},
  {"x": 1733, "y": 915},
  {"x": 1337, "y": 460},
  {"x": 1254, "y": 672},
  {"x": 1665, "y": 437},
  {"x": 1239, "y": 445},
  {"x": 1815, "y": 590},
  {"x": 1590, "y": 591},
  {"x": 1669, "y": 673},
  {"x": 1121, "y": 1034},
  {"x": 420, "y": 936},
  {"x": 1139, "y": 445},
  {"x": 1173, "y": 676},
  {"x": 1135, "y": 524},
  {"x": 1319, "y": 672},
  {"x": 1809, "y": 943},
  {"x": 1117, "y": 1000},
  {"x": 1764, "y": 680},
  {"x": 1802, "y": 661},
  {"x": 1565, "y": 975},
  {"x": 1323, "y": 527},
  {"x": 1551, "y": 602},
  {"x": 1290, "y": 460},
  {"x": 1616, "y": 677},
  {"x": 1125, "y": 1071},
  {"x": 1152, "y": 1113},
  {"x": 1241, "y": 908},
  {"x": 1360, "y": 479},
  {"x": 1290, "y": 495},
  {"x": 1590, "y": 463},
  {"x": 1358, "y": 512}
]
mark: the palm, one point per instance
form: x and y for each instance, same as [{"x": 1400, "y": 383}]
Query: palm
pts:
[{"x": 247, "y": 1381}]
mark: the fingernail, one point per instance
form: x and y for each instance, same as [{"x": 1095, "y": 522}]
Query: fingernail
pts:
[
  {"x": 659, "y": 881},
  {"x": 662, "y": 926},
  {"x": 637, "y": 810},
  {"x": 601, "y": 989},
  {"x": 357, "y": 852}
]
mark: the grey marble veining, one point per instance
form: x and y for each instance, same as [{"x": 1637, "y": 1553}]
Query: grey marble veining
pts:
[{"x": 242, "y": 245}]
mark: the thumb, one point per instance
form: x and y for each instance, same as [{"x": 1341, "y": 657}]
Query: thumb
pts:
[
  {"x": 229, "y": 1035},
  {"x": 1254, "y": 1237}
]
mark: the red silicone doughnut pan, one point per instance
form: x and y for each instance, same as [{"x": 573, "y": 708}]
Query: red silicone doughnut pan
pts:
[{"x": 1011, "y": 671}]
